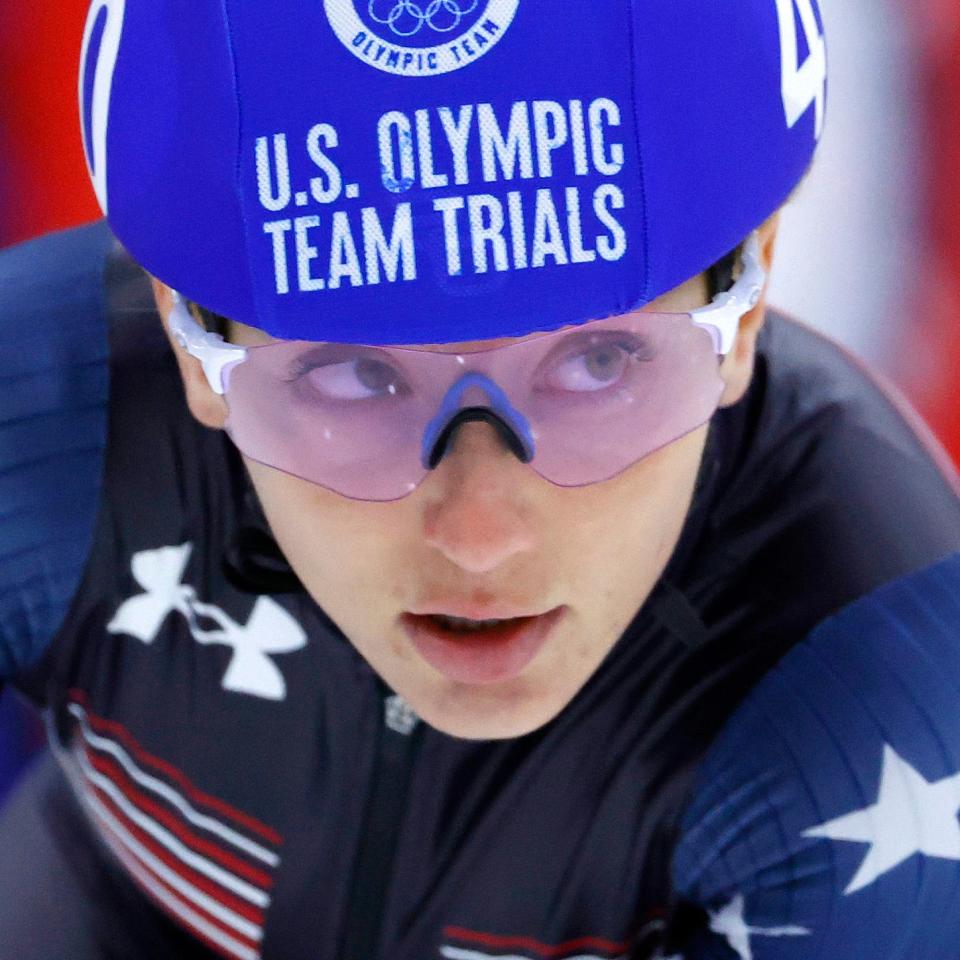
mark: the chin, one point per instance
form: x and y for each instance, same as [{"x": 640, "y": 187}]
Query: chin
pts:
[{"x": 485, "y": 713}]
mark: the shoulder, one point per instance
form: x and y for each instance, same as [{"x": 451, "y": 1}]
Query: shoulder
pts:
[
  {"x": 827, "y": 485},
  {"x": 50, "y": 265},
  {"x": 878, "y": 493},
  {"x": 53, "y": 399},
  {"x": 821, "y": 387},
  {"x": 827, "y": 808}
]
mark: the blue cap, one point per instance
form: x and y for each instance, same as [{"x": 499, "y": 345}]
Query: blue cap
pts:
[{"x": 429, "y": 171}]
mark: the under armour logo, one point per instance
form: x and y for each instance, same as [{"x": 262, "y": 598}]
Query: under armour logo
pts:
[{"x": 270, "y": 629}]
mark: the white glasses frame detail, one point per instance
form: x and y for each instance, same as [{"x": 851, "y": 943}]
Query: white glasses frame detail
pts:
[{"x": 720, "y": 318}]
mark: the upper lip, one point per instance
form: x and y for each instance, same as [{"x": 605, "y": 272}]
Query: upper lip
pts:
[{"x": 469, "y": 611}]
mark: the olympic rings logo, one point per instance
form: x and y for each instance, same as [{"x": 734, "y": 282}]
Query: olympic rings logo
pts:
[
  {"x": 406, "y": 18},
  {"x": 449, "y": 34}
]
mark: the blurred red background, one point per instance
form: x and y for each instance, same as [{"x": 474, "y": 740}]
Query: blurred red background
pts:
[
  {"x": 934, "y": 385},
  {"x": 43, "y": 183}
]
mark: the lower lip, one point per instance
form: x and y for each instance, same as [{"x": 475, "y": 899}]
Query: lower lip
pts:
[{"x": 486, "y": 656}]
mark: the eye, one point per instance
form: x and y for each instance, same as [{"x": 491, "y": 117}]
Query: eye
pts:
[
  {"x": 360, "y": 378},
  {"x": 600, "y": 367}
]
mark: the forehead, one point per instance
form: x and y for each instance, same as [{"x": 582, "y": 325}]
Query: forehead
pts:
[
  {"x": 251, "y": 335},
  {"x": 688, "y": 296},
  {"x": 475, "y": 346}
]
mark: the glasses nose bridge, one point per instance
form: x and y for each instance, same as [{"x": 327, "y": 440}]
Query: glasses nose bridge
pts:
[
  {"x": 509, "y": 423},
  {"x": 473, "y": 418}
]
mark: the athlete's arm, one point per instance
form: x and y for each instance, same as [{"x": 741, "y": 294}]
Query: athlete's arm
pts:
[
  {"x": 825, "y": 824},
  {"x": 53, "y": 397}
]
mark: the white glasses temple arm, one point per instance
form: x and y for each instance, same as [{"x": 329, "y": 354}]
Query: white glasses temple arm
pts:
[
  {"x": 213, "y": 352},
  {"x": 721, "y": 318}
]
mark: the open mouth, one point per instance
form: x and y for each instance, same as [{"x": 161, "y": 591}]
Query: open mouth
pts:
[
  {"x": 462, "y": 625},
  {"x": 480, "y": 651}
]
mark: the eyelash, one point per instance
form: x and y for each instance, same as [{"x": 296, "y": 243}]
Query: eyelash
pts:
[{"x": 637, "y": 351}]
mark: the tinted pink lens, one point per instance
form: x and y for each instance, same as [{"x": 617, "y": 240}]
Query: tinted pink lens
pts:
[
  {"x": 329, "y": 417},
  {"x": 596, "y": 399}
]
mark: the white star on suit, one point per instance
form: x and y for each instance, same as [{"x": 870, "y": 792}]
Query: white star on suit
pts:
[
  {"x": 911, "y": 816},
  {"x": 730, "y": 923}
]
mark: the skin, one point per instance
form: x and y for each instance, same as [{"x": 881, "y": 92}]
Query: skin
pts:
[{"x": 484, "y": 527}]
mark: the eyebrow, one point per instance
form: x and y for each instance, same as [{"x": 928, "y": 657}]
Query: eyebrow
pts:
[
  {"x": 478, "y": 346},
  {"x": 219, "y": 324}
]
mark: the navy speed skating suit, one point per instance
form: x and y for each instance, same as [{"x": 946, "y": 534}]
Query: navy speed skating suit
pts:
[{"x": 766, "y": 765}]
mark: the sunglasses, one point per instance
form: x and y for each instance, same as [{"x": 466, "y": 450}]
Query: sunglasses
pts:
[{"x": 579, "y": 405}]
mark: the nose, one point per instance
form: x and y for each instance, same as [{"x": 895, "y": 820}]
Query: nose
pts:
[{"x": 478, "y": 516}]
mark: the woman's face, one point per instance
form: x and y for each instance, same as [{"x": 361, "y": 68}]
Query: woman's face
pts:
[{"x": 484, "y": 530}]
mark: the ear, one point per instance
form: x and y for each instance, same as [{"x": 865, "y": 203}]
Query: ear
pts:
[
  {"x": 737, "y": 367},
  {"x": 207, "y": 407}
]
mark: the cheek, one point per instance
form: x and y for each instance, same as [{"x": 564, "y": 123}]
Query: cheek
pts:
[
  {"x": 339, "y": 548},
  {"x": 668, "y": 485},
  {"x": 651, "y": 495},
  {"x": 627, "y": 529}
]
